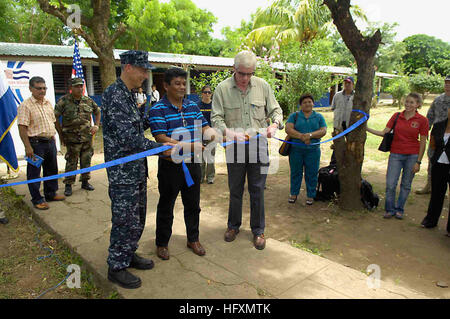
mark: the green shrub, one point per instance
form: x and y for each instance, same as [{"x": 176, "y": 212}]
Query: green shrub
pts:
[
  {"x": 425, "y": 84},
  {"x": 399, "y": 88}
]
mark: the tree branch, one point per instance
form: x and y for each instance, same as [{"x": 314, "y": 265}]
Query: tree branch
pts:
[
  {"x": 30, "y": 31},
  {"x": 61, "y": 12},
  {"x": 119, "y": 31},
  {"x": 90, "y": 40},
  {"x": 44, "y": 37},
  {"x": 340, "y": 12}
]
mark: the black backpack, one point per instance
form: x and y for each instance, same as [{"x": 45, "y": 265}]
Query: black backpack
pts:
[
  {"x": 368, "y": 197},
  {"x": 328, "y": 186}
]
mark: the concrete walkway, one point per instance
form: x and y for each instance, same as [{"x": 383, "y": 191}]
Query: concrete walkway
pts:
[{"x": 228, "y": 270}]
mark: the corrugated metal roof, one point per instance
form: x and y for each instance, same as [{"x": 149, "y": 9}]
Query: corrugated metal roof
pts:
[
  {"x": 331, "y": 69},
  {"x": 189, "y": 59},
  {"x": 61, "y": 51},
  {"x": 44, "y": 50}
]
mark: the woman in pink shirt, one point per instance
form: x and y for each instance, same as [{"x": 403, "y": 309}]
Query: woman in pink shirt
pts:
[{"x": 407, "y": 149}]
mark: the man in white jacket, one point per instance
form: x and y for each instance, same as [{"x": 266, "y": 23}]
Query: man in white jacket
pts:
[{"x": 342, "y": 105}]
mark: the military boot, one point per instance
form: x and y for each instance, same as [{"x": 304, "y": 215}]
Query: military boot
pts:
[
  {"x": 85, "y": 185},
  {"x": 68, "y": 190},
  {"x": 139, "y": 262},
  {"x": 124, "y": 278}
]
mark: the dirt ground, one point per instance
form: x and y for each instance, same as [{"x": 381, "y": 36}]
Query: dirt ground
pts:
[
  {"x": 407, "y": 254},
  {"x": 25, "y": 273}
]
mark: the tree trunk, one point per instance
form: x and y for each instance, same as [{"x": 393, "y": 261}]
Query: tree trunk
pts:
[
  {"x": 349, "y": 150},
  {"x": 99, "y": 36},
  {"x": 107, "y": 71}
]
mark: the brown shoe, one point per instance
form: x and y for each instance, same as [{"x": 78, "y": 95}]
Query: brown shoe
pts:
[
  {"x": 230, "y": 234},
  {"x": 41, "y": 206},
  {"x": 163, "y": 252},
  {"x": 56, "y": 198},
  {"x": 197, "y": 248},
  {"x": 259, "y": 241}
]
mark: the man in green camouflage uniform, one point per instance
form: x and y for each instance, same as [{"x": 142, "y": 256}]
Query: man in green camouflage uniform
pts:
[
  {"x": 436, "y": 113},
  {"x": 76, "y": 132}
]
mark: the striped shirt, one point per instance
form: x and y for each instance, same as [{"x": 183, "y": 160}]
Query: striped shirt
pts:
[
  {"x": 165, "y": 118},
  {"x": 38, "y": 117}
]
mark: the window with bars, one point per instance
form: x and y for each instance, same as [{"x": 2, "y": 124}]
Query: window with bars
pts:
[
  {"x": 62, "y": 73},
  {"x": 97, "y": 80}
]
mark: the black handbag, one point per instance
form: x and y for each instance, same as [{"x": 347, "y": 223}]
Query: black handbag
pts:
[
  {"x": 388, "y": 137},
  {"x": 285, "y": 148}
]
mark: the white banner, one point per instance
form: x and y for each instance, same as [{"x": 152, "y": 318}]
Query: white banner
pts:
[{"x": 18, "y": 75}]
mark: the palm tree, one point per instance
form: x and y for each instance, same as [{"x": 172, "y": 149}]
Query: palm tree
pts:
[{"x": 285, "y": 21}]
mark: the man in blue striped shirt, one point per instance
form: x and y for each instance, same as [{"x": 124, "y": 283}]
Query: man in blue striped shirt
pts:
[{"x": 179, "y": 121}]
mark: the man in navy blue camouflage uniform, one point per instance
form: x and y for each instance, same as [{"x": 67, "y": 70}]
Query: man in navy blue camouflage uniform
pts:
[
  {"x": 178, "y": 120},
  {"x": 123, "y": 135}
]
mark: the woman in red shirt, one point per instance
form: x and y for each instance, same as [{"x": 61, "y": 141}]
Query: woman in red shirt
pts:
[{"x": 407, "y": 149}]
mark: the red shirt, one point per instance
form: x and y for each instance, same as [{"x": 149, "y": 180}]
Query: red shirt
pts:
[{"x": 406, "y": 133}]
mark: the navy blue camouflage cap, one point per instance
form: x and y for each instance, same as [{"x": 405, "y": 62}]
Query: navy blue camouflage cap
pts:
[
  {"x": 76, "y": 81},
  {"x": 136, "y": 58}
]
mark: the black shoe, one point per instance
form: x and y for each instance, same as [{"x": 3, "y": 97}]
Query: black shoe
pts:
[
  {"x": 4, "y": 220},
  {"x": 141, "y": 263},
  {"x": 68, "y": 190},
  {"x": 124, "y": 279},
  {"x": 427, "y": 224},
  {"x": 87, "y": 186}
]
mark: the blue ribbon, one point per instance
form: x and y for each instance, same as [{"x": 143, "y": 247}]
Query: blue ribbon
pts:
[
  {"x": 119, "y": 161},
  {"x": 123, "y": 160},
  {"x": 348, "y": 130},
  {"x": 188, "y": 177},
  {"x": 224, "y": 145}
]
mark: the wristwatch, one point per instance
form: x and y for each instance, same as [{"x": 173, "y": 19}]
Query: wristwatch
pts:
[
  {"x": 310, "y": 135},
  {"x": 280, "y": 124}
]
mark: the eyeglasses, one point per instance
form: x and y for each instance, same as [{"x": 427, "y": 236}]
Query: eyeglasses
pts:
[
  {"x": 40, "y": 88},
  {"x": 245, "y": 74},
  {"x": 184, "y": 120},
  {"x": 207, "y": 92}
]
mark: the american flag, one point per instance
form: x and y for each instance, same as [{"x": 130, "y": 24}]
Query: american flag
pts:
[{"x": 77, "y": 67}]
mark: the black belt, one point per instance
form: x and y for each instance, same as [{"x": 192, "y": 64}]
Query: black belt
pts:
[{"x": 40, "y": 139}]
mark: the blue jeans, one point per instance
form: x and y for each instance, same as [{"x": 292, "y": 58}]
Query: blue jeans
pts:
[{"x": 397, "y": 163}]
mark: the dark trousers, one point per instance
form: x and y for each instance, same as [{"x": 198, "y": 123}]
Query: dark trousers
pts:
[
  {"x": 256, "y": 176},
  {"x": 46, "y": 150},
  {"x": 129, "y": 208},
  {"x": 439, "y": 181},
  {"x": 333, "y": 160},
  {"x": 171, "y": 182}
]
